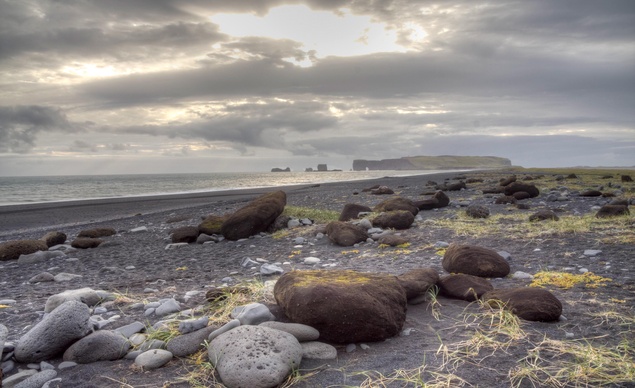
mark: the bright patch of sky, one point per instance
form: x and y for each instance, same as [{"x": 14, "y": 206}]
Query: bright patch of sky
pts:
[{"x": 329, "y": 34}]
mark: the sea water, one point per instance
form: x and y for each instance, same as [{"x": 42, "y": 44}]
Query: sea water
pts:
[{"x": 22, "y": 190}]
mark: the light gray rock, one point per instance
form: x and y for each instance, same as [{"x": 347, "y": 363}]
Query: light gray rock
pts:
[
  {"x": 86, "y": 295},
  {"x": 592, "y": 252},
  {"x": 191, "y": 325},
  {"x": 137, "y": 339},
  {"x": 153, "y": 344},
  {"x": 46, "y": 366},
  {"x": 186, "y": 344},
  {"x": 65, "y": 277},
  {"x": 129, "y": 330},
  {"x": 52, "y": 335},
  {"x": 168, "y": 307},
  {"x": 522, "y": 275},
  {"x": 153, "y": 359},
  {"x": 318, "y": 351},
  {"x": 366, "y": 224},
  {"x": 301, "y": 332},
  {"x": 311, "y": 260},
  {"x": 234, "y": 323},
  {"x": 7, "y": 366},
  {"x": 252, "y": 314},
  {"x": 270, "y": 269},
  {"x": 254, "y": 356},
  {"x": 38, "y": 379},
  {"x": 42, "y": 277},
  {"x": 4, "y": 333},
  {"x": 52, "y": 383},
  {"x": 103, "y": 345},
  {"x": 40, "y": 256},
  {"x": 13, "y": 380},
  {"x": 140, "y": 229},
  {"x": 66, "y": 364}
]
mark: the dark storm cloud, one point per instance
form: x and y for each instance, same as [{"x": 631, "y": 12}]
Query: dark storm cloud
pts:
[{"x": 19, "y": 125}]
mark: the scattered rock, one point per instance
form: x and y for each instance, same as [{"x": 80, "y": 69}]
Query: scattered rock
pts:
[
  {"x": 392, "y": 240},
  {"x": 314, "y": 350},
  {"x": 438, "y": 200},
  {"x": 153, "y": 359},
  {"x": 185, "y": 234},
  {"x": 462, "y": 286},
  {"x": 37, "y": 380},
  {"x": 591, "y": 193},
  {"x": 301, "y": 332},
  {"x": 477, "y": 211},
  {"x": 211, "y": 225},
  {"x": 612, "y": 211},
  {"x": 85, "y": 295},
  {"x": 86, "y": 243},
  {"x": 345, "y": 234},
  {"x": 418, "y": 281},
  {"x": 542, "y": 215},
  {"x": 518, "y": 186},
  {"x": 11, "y": 250},
  {"x": 506, "y": 200},
  {"x": 397, "y": 219},
  {"x": 530, "y": 303},
  {"x": 351, "y": 211},
  {"x": 382, "y": 190},
  {"x": 256, "y": 217},
  {"x": 40, "y": 256},
  {"x": 102, "y": 345},
  {"x": 475, "y": 260},
  {"x": 97, "y": 232},
  {"x": 54, "y": 238},
  {"x": 396, "y": 203},
  {"x": 252, "y": 314},
  {"x": 190, "y": 343}
]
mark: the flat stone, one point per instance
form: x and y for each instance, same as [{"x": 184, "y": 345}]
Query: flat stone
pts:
[
  {"x": 153, "y": 359},
  {"x": 191, "y": 325},
  {"x": 315, "y": 350},
  {"x": 37, "y": 380},
  {"x": 311, "y": 260},
  {"x": 40, "y": 256},
  {"x": 13, "y": 380},
  {"x": 65, "y": 277},
  {"x": 522, "y": 275},
  {"x": 252, "y": 314},
  {"x": 85, "y": 295},
  {"x": 66, "y": 364},
  {"x": 301, "y": 332},
  {"x": 42, "y": 277},
  {"x": 270, "y": 269},
  {"x": 592, "y": 252},
  {"x": 168, "y": 307},
  {"x": 103, "y": 345}
]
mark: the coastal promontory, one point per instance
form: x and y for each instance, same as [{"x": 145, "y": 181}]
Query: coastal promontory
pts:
[{"x": 432, "y": 163}]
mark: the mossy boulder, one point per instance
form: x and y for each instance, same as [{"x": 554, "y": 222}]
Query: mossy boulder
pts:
[
  {"x": 211, "y": 225},
  {"x": 185, "y": 234},
  {"x": 97, "y": 232},
  {"x": 544, "y": 214},
  {"x": 351, "y": 211},
  {"x": 477, "y": 211},
  {"x": 397, "y": 219},
  {"x": 345, "y": 234},
  {"x": 612, "y": 211},
  {"x": 418, "y": 281},
  {"x": 11, "y": 250},
  {"x": 515, "y": 187},
  {"x": 437, "y": 201},
  {"x": 397, "y": 203},
  {"x": 344, "y": 306},
  {"x": 54, "y": 238},
  {"x": 255, "y": 217},
  {"x": 530, "y": 303},
  {"x": 506, "y": 199},
  {"x": 392, "y": 240},
  {"x": 86, "y": 242},
  {"x": 475, "y": 260},
  {"x": 462, "y": 286}
]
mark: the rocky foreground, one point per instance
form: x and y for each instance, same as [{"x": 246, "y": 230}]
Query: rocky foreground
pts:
[{"x": 458, "y": 281}]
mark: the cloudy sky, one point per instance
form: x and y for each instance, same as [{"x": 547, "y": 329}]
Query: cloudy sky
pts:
[{"x": 138, "y": 86}]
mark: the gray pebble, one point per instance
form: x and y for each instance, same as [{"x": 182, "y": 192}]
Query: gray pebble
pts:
[
  {"x": 129, "y": 330},
  {"x": 191, "y": 325},
  {"x": 318, "y": 351},
  {"x": 270, "y": 269},
  {"x": 153, "y": 359},
  {"x": 15, "y": 379},
  {"x": 37, "y": 380},
  {"x": 42, "y": 277},
  {"x": 350, "y": 348}
]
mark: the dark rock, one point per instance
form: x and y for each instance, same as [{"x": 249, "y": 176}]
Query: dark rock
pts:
[
  {"x": 465, "y": 287},
  {"x": 382, "y": 190},
  {"x": 612, "y": 211},
  {"x": 185, "y": 234},
  {"x": 506, "y": 200},
  {"x": 281, "y": 222},
  {"x": 518, "y": 186},
  {"x": 626, "y": 178},
  {"x": 520, "y": 195},
  {"x": 345, "y": 234},
  {"x": 255, "y": 217},
  {"x": 494, "y": 190},
  {"x": 530, "y": 303},
  {"x": 523, "y": 206},
  {"x": 475, "y": 260},
  {"x": 54, "y": 238},
  {"x": 369, "y": 189},
  {"x": 591, "y": 193},
  {"x": 457, "y": 186},
  {"x": 11, "y": 250},
  {"x": 418, "y": 281},
  {"x": 211, "y": 224},
  {"x": 351, "y": 211},
  {"x": 477, "y": 211},
  {"x": 102, "y": 345},
  {"x": 438, "y": 200},
  {"x": 392, "y": 240},
  {"x": 398, "y": 219},
  {"x": 571, "y": 176},
  {"x": 620, "y": 202},
  {"x": 190, "y": 343},
  {"x": 344, "y": 306},
  {"x": 86, "y": 242},
  {"x": 542, "y": 215},
  {"x": 508, "y": 180},
  {"x": 474, "y": 180},
  {"x": 528, "y": 178},
  {"x": 396, "y": 203},
  {"x": 97, "y": 232}
]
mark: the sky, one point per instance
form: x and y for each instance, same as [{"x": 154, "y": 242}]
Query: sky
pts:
[{"x": 177, "y": 86}]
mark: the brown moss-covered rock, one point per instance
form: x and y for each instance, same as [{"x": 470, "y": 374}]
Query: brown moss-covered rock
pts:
[
  {"x": 612, "y": 211},
  {"x": 532, "y": 304},
  {"x": 456, "y": 186},
  {"x": 477, "y": 211},
  {"x": 397, "y": 203},
  {"x": 544, "y": 214},
  {"x": 211, "y": 224},
  {"x": 11, "y": 250},
  {"x": 508, "y": 180},
  {"x": 520, "y": 195},
  {"x": 392, "y": 240},
  {"x": 185, "y": 234},
  {"x": 345, "y": 234},
  {"x": 54, "y": 238},
  {"x": 462, "y": 286},
  {"x": 398, "y": 219},
  {"x": 255, "y": 217},
  {"x": 438, "y": 200},
  {"x": 475, "y": 260},
  {"x": 418, "y": 281},
  {"x": 591, "y": 193},
  {"x": 97, "y": 232},
  {"x": 344, "y": 306},
  {"x": 351, "y": 211},
  {"x": 86, "y": 242},
  {"x": 506, "y": 200},
  {"x": 382, "y": 190},
  {"x": 626, "y": 178},
  {"x": 518, "y": 186}
]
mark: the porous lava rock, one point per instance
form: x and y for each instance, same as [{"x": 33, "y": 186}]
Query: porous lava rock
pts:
[
  {"x": 475, "y": 260},
  {"x": 102, "y": 345},
  {"x": 86, "y": 242},
  {"x": 185, "y": 234},
  {"x": 97, "y": 232},
  {"x": 462, "y": 286},
  {"x": 54, "y": 238},
  {"x": 612, "y": 211},
  {"x": 344, "y": 306},
  {"x": 211, "y": 225},
  {"x": 477, "y": 211},
  {"x": 345, "y": 234},
  {"x": 530, "y": 303},
  {"x": 11, "y": 250},
  {"x": 398, "y": 219},
  {"x": 255, "y": 217},
  {"x": 544, "y": 214},
  {"x": 396, "y": 203},
  {"x": 418, "y": 281},
  {"x": 351, "y": 211},
  {"x": 515, "y": 187},
  {"x": 438, "y": 200}
]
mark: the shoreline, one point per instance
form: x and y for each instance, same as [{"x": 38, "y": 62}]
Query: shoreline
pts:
[{"x": 24, "y": 218}]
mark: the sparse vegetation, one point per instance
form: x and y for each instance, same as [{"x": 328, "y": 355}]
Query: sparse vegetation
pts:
[
  {"x": 568, "y": 280},
  {"x": 317, "y": 215}
]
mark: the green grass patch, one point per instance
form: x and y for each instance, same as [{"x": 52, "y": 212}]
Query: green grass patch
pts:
[
  {"x": 567, "y": 280},
  {"x": 319, "y": 216}
]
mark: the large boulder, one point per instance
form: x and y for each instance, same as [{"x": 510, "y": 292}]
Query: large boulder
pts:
[
  {"x": 532, "y": 304},
  {"x": 102, "y": 345},
  {"x": 344, "y": 306},
  {"x": 55, "y": 333},
  {"x": 97, "y": 232},
  {"x": 185, "y": 234},
  {"x": 438, "y": 200},
  {"x": 418, "y": 281},
  {"x": 54, "y": 238},
  {"x": 351, "y": 211},
  {"x": 396, "y": 203},
  {"x": 190, "y": 343},
  {"x": 86, "y": 295},
  {"x": 11, "y": 250},
  {"x": 345, "y": 234},
  {"x": 475, "y": 260},
  {"x": 612, "y": 211},
  {"x": 211, "y": 224},
  {"x": 462, "y": 286},
  {"x": 254, "y": 356},
  {"x": 515, "y": 187},
  {"x": 255, "y": 217},
  {"x": 397, "y": 219},
  {"x": 86, "y": 242}
]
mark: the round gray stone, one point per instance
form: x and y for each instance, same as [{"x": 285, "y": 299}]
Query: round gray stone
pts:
[
  {"x": 153, "y": 359},
  {"x": 52, "y": 335},
  {"x": 168, "y": 307},
  {"x": 190, "y": 343},
  {"x": 191, "y": 325},
  {"x": 42, "y": 277},
  {"x": 86, "y": 295},
  {"x": 252, "y": 314},
  {"x": 4, "y": 332},
  {"x": 301, "y": 332},
  {"x": 37, "y": 380},
  {"x": 103, "y": 345},
  {"x": 318, "y": 351},
  {"x": 40, "y": 256}
]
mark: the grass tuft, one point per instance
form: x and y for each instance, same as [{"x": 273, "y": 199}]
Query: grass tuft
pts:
[
  {"x": 567, "y": 280},
  {"x": 319, "y": 216}
]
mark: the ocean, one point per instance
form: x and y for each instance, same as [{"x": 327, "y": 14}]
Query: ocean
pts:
[{"x": 30, "y": 189}]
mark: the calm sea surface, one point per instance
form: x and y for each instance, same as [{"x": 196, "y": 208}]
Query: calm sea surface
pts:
[{"x": 21, "y": 190}]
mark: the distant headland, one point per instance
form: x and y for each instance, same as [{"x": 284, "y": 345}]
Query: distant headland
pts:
[{"x": 443, "y": 162}]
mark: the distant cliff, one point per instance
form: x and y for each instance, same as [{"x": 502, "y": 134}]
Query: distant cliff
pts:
[{"x": 444, "y": 162}]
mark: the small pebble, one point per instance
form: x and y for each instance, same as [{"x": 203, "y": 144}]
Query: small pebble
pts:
[{"x": 350, "y": 348}]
